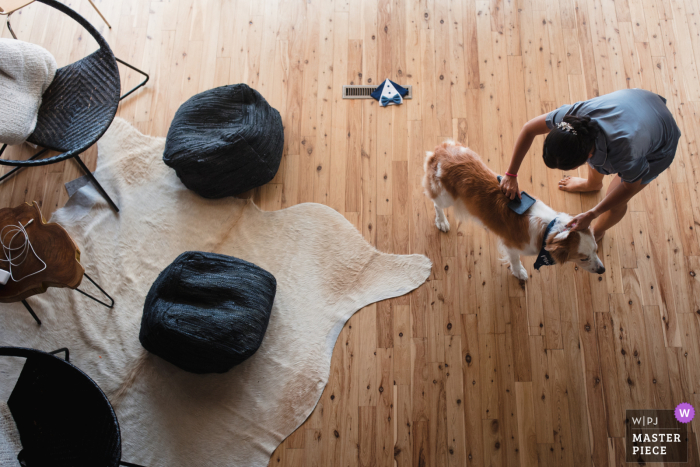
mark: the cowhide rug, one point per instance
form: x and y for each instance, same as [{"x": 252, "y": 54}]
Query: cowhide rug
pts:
[{"x": 325, "y": 272}]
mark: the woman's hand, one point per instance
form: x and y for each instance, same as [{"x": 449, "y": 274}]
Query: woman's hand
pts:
[
  {"x": 582, "y": 221},
  {"x": 536, "y": 126},
  {"x": 509, "y": 186}
]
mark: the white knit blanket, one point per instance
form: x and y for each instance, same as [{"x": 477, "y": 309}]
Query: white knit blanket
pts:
[
  {"x": 26, "y": 70},
  {"x": 325, "y": 272}
]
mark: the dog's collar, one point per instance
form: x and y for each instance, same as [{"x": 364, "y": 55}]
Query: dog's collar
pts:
[{"x": 543, "y": 257}]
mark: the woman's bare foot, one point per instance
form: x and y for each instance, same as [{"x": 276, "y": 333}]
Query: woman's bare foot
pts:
[{"x": 578, "y": 185}]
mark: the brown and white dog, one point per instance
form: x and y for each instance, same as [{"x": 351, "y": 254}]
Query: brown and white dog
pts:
[{"x": 456, "y": 176}]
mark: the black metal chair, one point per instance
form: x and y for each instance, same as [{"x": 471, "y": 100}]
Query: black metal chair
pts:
[
  {"x": 78, "y": 106},
  {"x": 63, "y": 417}
]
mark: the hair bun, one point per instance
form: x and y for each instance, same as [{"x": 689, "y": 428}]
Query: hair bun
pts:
[
  {"x": 569, "y": 145},
  {"x": 584, "y": 127}
]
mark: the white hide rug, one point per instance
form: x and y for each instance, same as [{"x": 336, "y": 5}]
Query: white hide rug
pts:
[{"x": 325, "y": 272}]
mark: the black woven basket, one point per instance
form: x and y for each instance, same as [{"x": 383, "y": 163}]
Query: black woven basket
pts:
[
  {"x": 225, "y": 141},
  {"x": 206, "y": 312}
]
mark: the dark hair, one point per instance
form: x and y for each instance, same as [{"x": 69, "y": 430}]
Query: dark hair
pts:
[{"x": 565, "y": 150}]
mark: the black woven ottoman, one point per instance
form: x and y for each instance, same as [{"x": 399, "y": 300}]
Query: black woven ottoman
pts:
[
  {"x": 206, "y": 312},
  {"x": 225, "y": 141}
]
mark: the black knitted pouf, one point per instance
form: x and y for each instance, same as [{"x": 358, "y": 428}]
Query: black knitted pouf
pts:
[
  {"x": 225, "y": 141},
  {"x": 207, "y": 312}
]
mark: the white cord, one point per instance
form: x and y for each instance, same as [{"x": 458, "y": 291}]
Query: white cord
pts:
[{"x": 16, "y": 256}]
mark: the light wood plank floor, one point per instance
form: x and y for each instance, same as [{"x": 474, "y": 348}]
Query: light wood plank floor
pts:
[{"x": 472, "y": 368}]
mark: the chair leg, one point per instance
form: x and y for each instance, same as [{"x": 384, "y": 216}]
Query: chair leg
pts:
[
  {"x": 9, "y": 27},
  {"x": 62, "y": 349},
  {"x": 100, "y": 288},
  {"x": 101, "y": 15},
  {"x": 96, "y": 183},
  {"x": 12, "y": 172},
  {"x": 137, "y": 70},
  {"x": 93, "y": 5},
  {"x": 31, "y": 312}
]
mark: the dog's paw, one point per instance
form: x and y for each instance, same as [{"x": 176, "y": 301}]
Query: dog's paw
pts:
[
  {"x": 520, "y": 272},
  {"x": 443, "y": 225}
]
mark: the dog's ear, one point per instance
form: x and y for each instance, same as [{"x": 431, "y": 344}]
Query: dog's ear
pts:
[
  {"x": 562, "y": 235},
  {"x": 556, "y": 242}
]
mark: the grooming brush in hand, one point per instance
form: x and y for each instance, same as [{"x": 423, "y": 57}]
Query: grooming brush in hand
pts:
[{"x": 519, "y": 206}]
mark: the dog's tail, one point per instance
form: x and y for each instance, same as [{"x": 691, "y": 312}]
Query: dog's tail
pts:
[
  {"x": 431, "y": 180},
  {"x": 430, "y": 162}
]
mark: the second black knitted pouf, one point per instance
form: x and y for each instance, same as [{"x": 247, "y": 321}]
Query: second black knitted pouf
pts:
[
  {"x": 207, "y": 312},
  {"x": 225, "y": 141}
]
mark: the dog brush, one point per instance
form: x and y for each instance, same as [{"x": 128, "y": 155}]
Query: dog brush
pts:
[{"x": 519, "y": 206}]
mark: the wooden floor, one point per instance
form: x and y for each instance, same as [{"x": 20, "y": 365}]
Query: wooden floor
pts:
[{"x": 472, "y": 368}]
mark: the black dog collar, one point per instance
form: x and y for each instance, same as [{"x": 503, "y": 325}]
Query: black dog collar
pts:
[{"x": 543, "y": 257}]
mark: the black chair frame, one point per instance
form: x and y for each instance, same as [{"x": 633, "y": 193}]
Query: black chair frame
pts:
[
  {"x": 108, "y": 62},
  {"x": 74, "y": 371}
]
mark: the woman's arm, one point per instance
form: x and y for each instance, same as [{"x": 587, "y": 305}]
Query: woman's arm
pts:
[
  {"x": 619, "y": 196},
  {"x": 536, "y": 126}
]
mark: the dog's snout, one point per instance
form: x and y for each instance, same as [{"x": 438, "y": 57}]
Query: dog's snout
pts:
[{"x": 600, "y": 270}]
